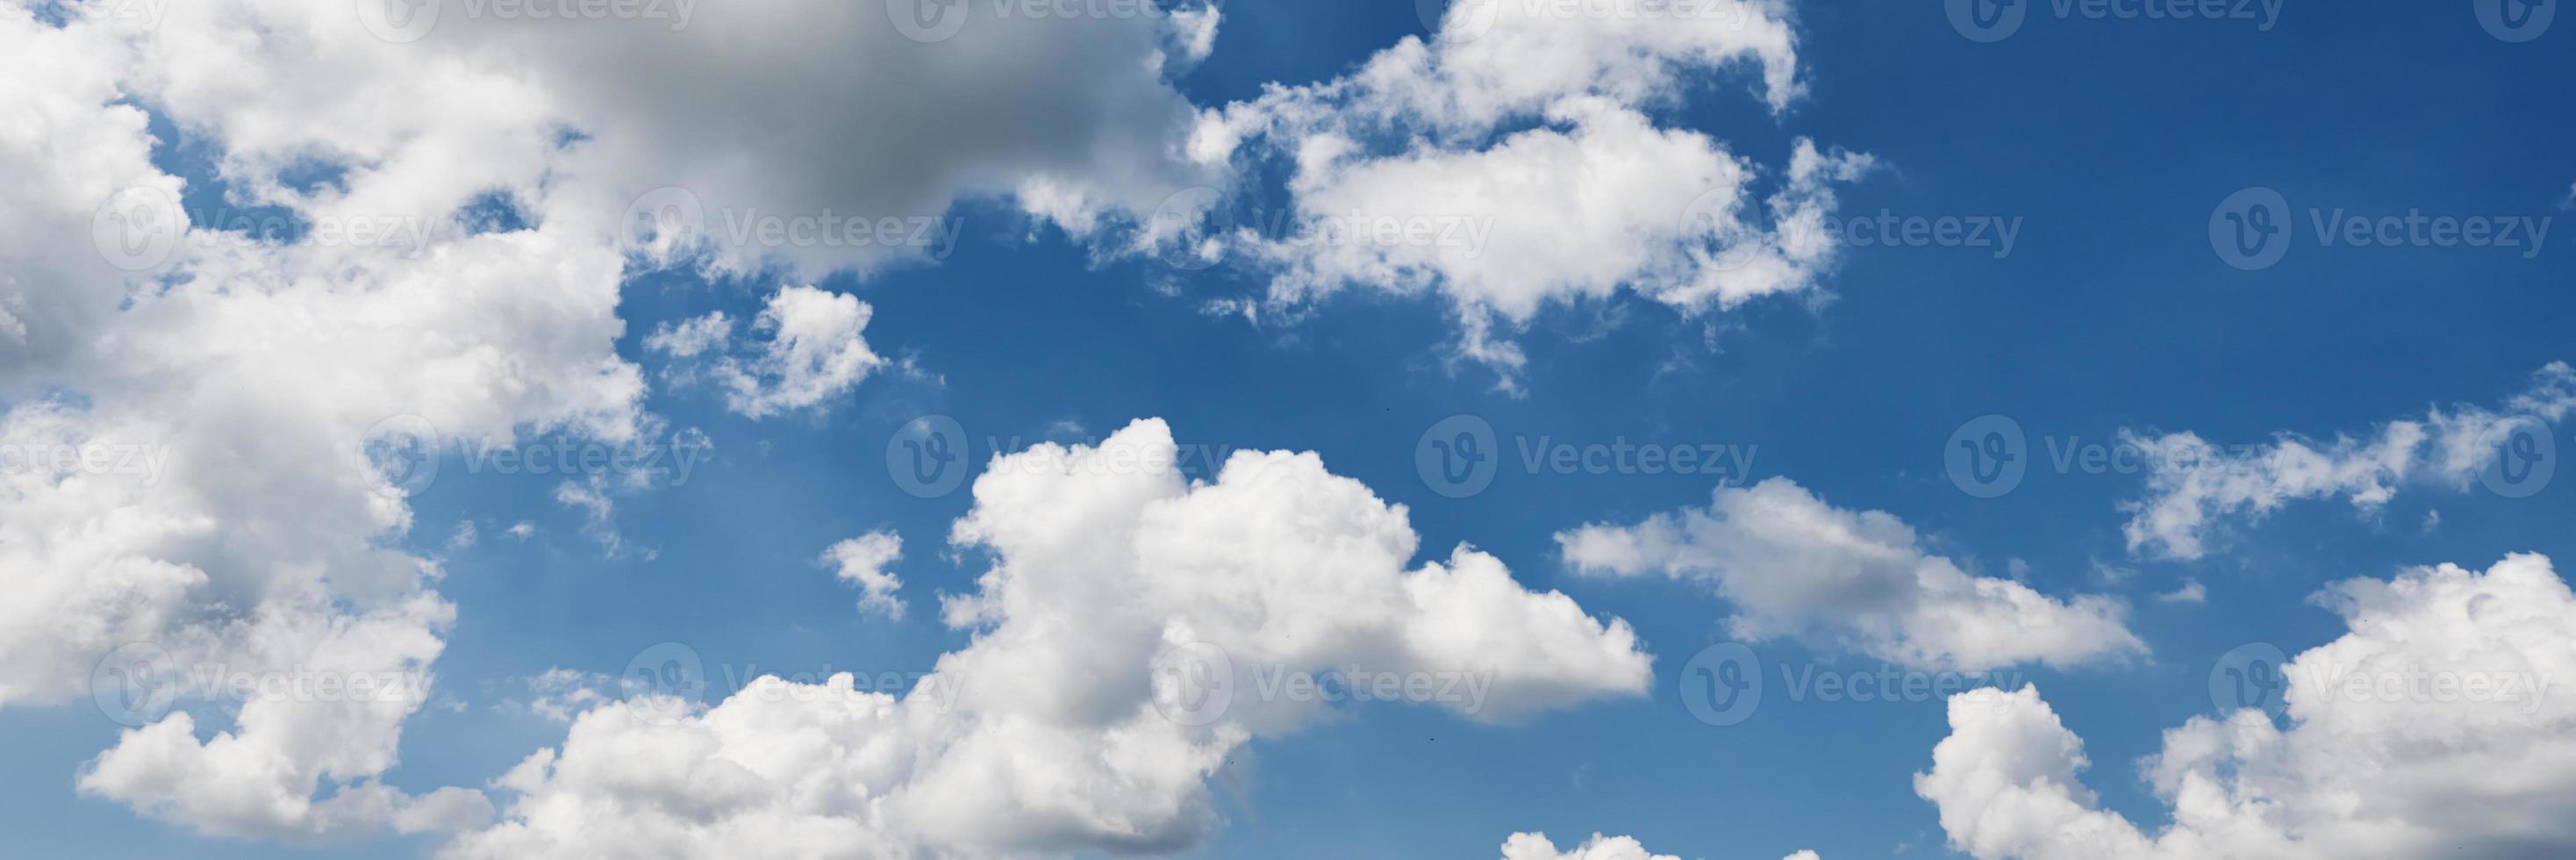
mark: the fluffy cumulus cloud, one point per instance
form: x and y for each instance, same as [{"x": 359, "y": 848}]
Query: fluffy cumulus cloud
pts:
[
  {"x": 729, "y": 116},
  {"x": 225, "y": 386},
  {"x": 693, "y": 337},
  {"x": 258, "y": 778},
  {"x": 1535, "y": 846},
  {"x": 1509, "y": 162},
  {"x": 2430, "y": 729},
  {"x": 1793, "y": 565},
  {"x": 1119, "y": 639},
  {"x": 2195, "y": 486},
  {"x": 814, "y": 352},
  {"x": 813, "y": 348},
  {"x": 865, "y": 563},
  {"x": 1550, "y": 215},
  {"x": 249, "y": 403}
]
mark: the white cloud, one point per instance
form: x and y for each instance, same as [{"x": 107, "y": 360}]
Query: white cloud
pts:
[
  {"x": 74, "y": 145},
  {"x": 862, "y": 561},
  {"x": 1535, "y": 846},
  {"x": 688, "y": 338},
  {"x": 1509, "y": 163},
  {"x": 259, "y": 778},
  {"x": 599, "y": 514},
  {"x": 815, "y": 352},
  {"x": 2382, "y": 757},
  {"x": 2191, "y": 591},
  {"x": 1550, "y": 215},
  {"x": 1793, "y": 565},
  {"x": 557, "y": 695},
  {"x": 1493, "y": 62},
  {"x": 1083, "y": 103},
  {"x": 260, "y": 372},
  {"x": 2193, "y": 486},
  {"x": 1044, "y": 733},
  {"x": 1195, "y": 31}
]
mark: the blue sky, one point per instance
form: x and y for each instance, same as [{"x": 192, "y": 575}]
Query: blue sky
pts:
[{"x": 2108, "y": 144}]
